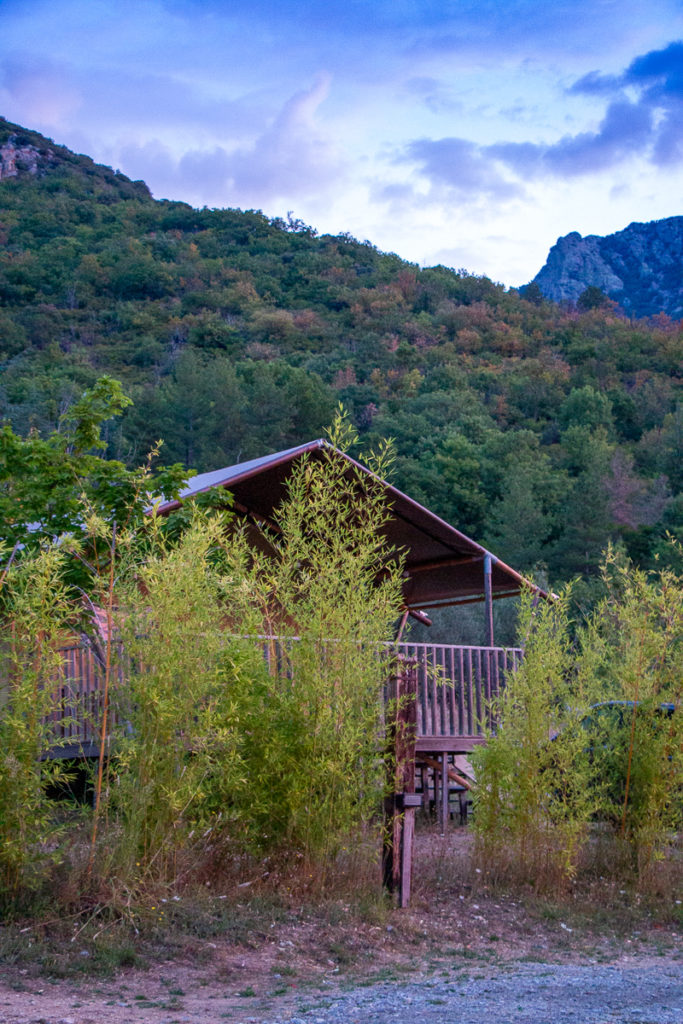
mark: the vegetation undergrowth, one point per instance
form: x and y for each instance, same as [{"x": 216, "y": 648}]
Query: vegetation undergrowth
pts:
[
  {"x": 240, "y": 704},
  {"x": 348, "y": 929},
  {"x": 35, "y": 602},
  {"x": 584, "y": 772},
  {"x": 241, "y": 728}
]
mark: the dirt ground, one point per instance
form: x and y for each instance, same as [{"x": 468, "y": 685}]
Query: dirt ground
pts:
[{"x": 290, "y": 963}]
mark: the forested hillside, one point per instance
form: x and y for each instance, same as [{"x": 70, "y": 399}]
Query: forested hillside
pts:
[{"x": 540, "y": 431}]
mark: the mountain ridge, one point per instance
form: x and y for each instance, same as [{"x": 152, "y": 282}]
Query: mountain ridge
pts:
[
  {"x": 640, "y": 267},
  {"x": 542, "y": 431}
]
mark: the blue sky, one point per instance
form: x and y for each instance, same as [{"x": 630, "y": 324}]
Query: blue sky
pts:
[{"x": 459, "y": 132}]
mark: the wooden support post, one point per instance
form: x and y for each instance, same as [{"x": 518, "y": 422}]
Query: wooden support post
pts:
[
  {"x": 488, "y": 597},
  {"x": 401, "y": 801},
  {"x": 444, "y": 792}
]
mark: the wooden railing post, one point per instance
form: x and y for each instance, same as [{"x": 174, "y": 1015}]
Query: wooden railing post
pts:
[{"x": 401, "y": 800}]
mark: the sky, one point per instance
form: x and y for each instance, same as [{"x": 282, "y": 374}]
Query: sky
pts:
[{"x": 471, "y": 133}]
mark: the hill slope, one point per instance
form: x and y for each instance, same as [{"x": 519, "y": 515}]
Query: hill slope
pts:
[
  {"x": 540, "y": 431},
  {"x": 640, "y": 267}
]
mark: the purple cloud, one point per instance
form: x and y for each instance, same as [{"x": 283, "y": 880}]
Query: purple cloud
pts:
[
  {"x": 659, "y": 74},
  {"x": 44, "y": 91},
  {"x": 650, "y": 125},
  {"x": 460, "y": 166},
  {"x": 668, "y": 148},
  {"x": 625, "y": 129},
  {"x": 664, "y": 67},
  {"x": 468, "y": 169},
  {"x": 290, "y": 158},
  {"x": 435, "y": 95},
  {"x": 658, "y": 77},
  {"x": 595, "y": 83}
]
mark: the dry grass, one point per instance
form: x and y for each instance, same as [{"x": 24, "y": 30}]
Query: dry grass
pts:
[{"x": 277, "y": 921}]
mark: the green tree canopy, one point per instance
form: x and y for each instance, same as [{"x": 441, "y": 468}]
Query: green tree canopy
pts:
[{"x": 46, "y": 481}]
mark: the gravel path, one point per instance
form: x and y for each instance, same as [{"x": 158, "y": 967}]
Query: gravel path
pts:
[
  {"x": 516, "y": 994},
  {"x": 644, "y": 990}
]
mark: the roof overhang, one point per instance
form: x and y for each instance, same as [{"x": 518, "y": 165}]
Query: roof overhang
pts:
[{"x": 443, "y": 565}]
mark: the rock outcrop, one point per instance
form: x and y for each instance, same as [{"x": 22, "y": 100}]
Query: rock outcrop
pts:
[
  {"x": 15, "y": 158},
  {"x": 640, "y": 267},
  {"x": 28, "y": 156}
]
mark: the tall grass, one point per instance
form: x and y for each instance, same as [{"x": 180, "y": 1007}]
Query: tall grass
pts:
[
  {"x": 210, "y": 750},
  {"x": 632, "y": 651},
  {"x": 174, "y": 708},
  {"x": 330, "y": 581},
  {"x": 533, "y": 798}
]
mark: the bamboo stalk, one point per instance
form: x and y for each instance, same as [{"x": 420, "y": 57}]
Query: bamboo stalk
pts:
[{"x": 105, "y": 703}]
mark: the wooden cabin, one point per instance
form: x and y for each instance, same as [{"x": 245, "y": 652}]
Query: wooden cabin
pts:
[{"x": 443, "y": 567}]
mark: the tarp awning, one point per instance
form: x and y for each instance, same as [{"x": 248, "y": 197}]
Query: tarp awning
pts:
[{"x": 443, "y": 565}]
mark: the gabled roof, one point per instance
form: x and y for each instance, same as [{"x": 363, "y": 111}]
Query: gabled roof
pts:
[{"x": 443, "y": 565}]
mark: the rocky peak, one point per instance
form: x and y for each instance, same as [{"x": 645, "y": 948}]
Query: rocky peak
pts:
[
  {"x": 29, "y": 155},
  {"x": 640, "y": 267}
]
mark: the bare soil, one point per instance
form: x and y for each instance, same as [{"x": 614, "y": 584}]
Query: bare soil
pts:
[{"x": 285, "y": 964}]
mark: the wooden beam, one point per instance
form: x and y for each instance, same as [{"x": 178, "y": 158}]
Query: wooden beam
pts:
[
  {"x": 400, "y": 759},
  {"x": 402, "y": 625},
  {"x": 449, "y": 602},
  {"x": 441, "y": 563},
  {"x": 445, "y": 788},
  {"x": 453, "y": 744},
  {"x": 460, "y": 780},
  {"x": 420, "y": 616}
]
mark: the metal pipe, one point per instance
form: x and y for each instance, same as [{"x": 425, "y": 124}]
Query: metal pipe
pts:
[{"x": 488, "y": 597}]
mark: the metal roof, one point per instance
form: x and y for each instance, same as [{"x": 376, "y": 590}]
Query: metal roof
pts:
[
  {"x": 443, "y": 565},
  {"x": 229, "y": 474}
]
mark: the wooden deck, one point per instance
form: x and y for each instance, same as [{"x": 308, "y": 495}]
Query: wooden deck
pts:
[{"x": 454, "y": 684}]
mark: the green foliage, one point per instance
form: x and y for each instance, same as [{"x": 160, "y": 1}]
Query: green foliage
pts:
[
  {"x": 592, "y": 298},
  {"x": 591, "y": 737},
  {"x": 220, "y": 749},
  {"x": 329, "y": 579},
  {"x": 30, "y": 716},
  {"x": 632, "y": 648},
  {"x": 44, "y": 482},
  {"x": 532, "y": 800},
  {"x": 212, "y": 749},
  {"x": 586, "y": 407},
  {"x": 236, "y": 335},
  {"x": 179, "y": 741}
]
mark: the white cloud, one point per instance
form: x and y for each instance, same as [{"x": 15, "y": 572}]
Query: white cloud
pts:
[{"x": 290, "y": 159}]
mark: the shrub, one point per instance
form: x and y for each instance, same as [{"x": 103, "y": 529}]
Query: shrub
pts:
[
  {"x": 632, "y": 651},
  {"x": 34, "y": 600},
  {"x": 255, "y": 753},
  {"x": 533, "y": 799},
  {"x": 589, "y": 734}
]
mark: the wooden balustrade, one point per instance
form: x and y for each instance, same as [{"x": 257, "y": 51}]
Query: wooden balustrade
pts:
[{"x": 454, "y": 685}]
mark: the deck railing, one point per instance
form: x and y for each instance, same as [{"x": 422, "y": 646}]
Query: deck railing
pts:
[
  {"x": 76, "y": 719},
  {"x": 455, "y": 684}
]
